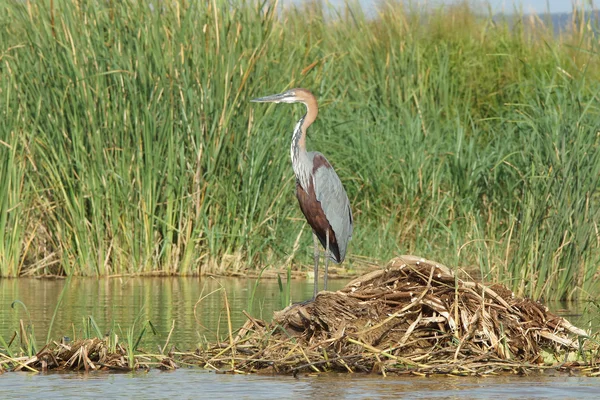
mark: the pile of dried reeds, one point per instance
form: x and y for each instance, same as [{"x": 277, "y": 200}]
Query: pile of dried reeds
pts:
[
  {"x": 88, "y": 355},
  {"x": 413, "y": 316}
]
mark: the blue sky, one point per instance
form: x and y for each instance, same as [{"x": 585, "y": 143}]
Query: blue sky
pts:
[{"x": 537, "y": 6}]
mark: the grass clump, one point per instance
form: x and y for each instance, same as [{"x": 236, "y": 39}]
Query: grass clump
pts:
[{"x": 128, "y": 145}]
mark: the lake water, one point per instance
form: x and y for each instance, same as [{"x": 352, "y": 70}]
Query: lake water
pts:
[
  {"x": 195, "y": 383},
  {"x": 119, "y": 303}
]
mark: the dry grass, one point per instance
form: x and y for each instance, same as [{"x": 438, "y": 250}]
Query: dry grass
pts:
[
  {"x": 84, "y": 355},
  {"x": 413, "y": 316}
]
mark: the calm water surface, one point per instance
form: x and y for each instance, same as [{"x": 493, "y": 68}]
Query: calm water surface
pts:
[
  {"x": 120, "y": 303},
  {"x": 195, "y": 383}
]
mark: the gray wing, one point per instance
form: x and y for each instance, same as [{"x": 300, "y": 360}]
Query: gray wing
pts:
[{"x": 334, "y": 200}]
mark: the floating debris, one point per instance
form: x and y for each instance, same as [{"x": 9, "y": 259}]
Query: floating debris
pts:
[{"x": 84, "y": 355}]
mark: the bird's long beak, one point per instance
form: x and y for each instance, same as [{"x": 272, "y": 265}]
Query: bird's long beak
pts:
[{"x": 274, "y": 98}]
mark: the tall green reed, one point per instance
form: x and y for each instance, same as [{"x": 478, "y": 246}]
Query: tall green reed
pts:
[{"x": 133, "y": 149}]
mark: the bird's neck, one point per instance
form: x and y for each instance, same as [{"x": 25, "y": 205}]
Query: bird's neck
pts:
[
  {"x": 300, "y": 159},
  {"x": 299, "y": 137},
  {"x": 311, "y": 113},
  {"x": 299, "y": 154}
]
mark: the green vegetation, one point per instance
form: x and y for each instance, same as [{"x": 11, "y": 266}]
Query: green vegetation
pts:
[
  {"x": 25, "y": 334},
  {"x": 128, "y": 144}
]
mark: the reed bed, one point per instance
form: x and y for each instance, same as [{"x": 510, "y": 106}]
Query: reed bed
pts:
[
  {"x": 413, "y": 317},
  {"x": 128, "y": 145}
]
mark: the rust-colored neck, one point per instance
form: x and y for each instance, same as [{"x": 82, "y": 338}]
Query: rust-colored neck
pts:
[
  {"x": 300, "y": 161},
  {"x": 312, "y": 110}
]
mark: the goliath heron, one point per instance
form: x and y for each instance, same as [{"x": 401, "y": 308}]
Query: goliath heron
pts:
[{"x": 322, "y": 197}]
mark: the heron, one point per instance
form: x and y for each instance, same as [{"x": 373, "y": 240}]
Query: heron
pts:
[{"x": 321, "y": 195}]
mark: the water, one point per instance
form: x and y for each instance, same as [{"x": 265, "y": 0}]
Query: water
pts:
[
  {"x": 195, "y": 383},
  {"x": 120, "y": 303}
]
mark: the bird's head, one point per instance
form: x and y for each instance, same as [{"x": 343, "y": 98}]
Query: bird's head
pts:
[{"x": 291, "y": 96}]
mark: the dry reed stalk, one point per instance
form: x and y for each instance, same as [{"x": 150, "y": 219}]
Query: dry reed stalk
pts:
[{"x": 413, "y": 316}]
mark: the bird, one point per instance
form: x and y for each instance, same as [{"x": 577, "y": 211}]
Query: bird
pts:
[{"x": 321, "y": 195}]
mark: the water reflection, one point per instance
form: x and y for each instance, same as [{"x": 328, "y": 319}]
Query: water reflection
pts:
[{"x": 118, "y": 303}]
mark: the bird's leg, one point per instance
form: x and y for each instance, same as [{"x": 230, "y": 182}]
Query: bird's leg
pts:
[
  {"x": 316, "y": 257},
  {"x": 326, "y": 259}
]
